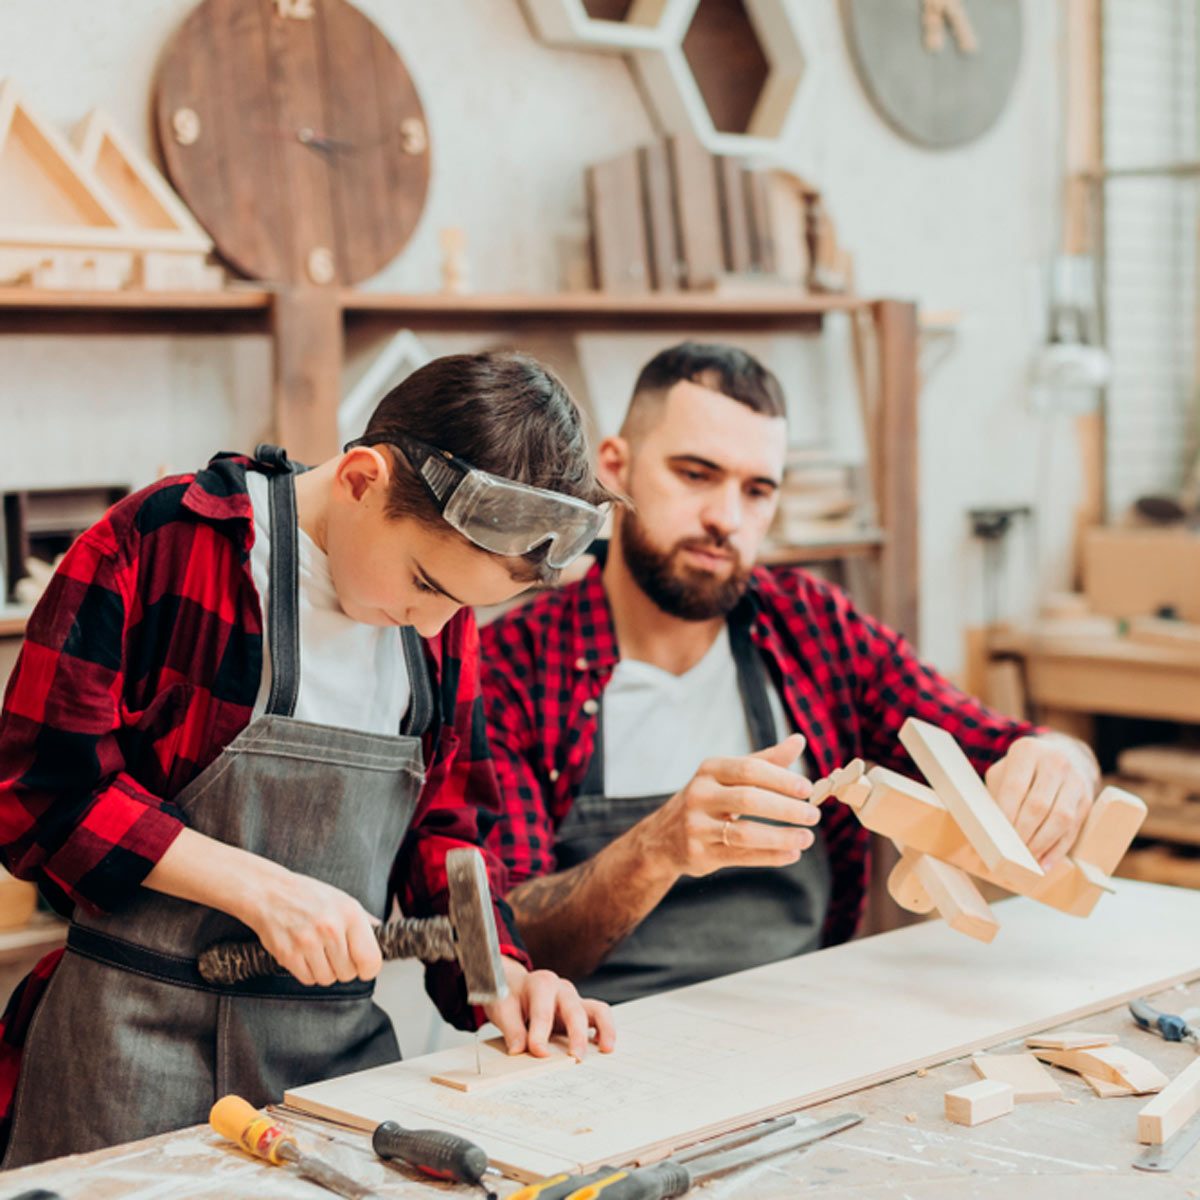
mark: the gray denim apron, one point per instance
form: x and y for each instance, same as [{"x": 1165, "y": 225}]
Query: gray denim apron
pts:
[
  {"x": 728, "y": 921},
  {"x": 128, "y": 1040}
]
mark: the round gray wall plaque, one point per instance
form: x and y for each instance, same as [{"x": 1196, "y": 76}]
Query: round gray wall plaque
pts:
[{"x": 939, "y": 71}]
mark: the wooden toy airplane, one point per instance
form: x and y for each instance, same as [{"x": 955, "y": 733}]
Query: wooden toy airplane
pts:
[{"x": 955, "y": 829}]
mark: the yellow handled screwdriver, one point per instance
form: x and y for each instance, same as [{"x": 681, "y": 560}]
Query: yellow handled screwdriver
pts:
[{"x": 258, "y": 1134}]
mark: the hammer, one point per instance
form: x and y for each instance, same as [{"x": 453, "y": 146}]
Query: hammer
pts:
[{"x": 468, "y": 934}]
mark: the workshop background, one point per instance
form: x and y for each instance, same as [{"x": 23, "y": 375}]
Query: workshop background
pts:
[{"x": 980, "y": 299}]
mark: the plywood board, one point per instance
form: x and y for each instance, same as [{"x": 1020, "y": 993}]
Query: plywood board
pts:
[
  {"x": 716, "y": 1056},
  {"x": 1069, "y": 1039}
]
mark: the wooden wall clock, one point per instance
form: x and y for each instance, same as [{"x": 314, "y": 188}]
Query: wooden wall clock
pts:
[
  {"x": 939, "y": 71},
  {"x": 293, "y": 131}
]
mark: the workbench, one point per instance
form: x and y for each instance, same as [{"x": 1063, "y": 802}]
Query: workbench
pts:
[{"x": 1082, "y": 1146}]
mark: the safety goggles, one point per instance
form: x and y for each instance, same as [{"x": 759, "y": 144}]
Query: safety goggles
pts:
[{"x": 499, "y": 515}]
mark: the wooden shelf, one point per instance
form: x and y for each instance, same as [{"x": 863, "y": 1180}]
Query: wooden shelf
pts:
[
  {"x": 809, "y": 552},
  {"x": 12, "y": 623},
  {"x": 28, "y": 310},
  {"x": 258, "y": 299},
  {"x": 599, "y": 310}
]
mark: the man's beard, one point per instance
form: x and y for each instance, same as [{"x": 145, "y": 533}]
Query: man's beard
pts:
[{"x": 681, "y": 591}]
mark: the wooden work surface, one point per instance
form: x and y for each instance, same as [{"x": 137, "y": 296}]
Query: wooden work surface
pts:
[
  {"x": 1081, "y": 1147},
  {"x": 1104, "y": 675},
  {"x": 718, "y": 1055}
]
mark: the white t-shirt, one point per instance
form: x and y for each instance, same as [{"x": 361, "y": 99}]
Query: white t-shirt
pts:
[
  {"x": 351, "y": 675},
  {"x": 659, "y": 727}
]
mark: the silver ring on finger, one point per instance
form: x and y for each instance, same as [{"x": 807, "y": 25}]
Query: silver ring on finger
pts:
[{"x": 725, "y": 826}]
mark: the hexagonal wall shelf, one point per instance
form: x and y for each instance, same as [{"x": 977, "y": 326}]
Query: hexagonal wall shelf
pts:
[
  {"x": 607, "y": 25},
  {"x": 733, "y": 72}
]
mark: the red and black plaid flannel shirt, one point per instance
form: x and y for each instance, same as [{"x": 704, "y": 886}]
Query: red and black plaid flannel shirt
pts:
[
  {"x": 847, "y": 684},
  {"x": 140, "y": 663}
]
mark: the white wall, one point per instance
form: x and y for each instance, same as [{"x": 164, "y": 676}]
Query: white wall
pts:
[{"x": 513, "y": 123}]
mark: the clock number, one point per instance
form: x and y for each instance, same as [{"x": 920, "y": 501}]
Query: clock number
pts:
[
  {"x": 936, "y": 15},
  {"x": 321, "y": 266},
  {"x": 296, "y": 10},
  {"x": 185, "y": 124},
  {"x": 413, "y": 138}
]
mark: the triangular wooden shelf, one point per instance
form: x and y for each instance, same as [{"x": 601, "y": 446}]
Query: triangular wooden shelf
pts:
[{"x": 131, "y": 179}]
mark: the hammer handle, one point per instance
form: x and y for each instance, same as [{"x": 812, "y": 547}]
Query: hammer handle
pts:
[{"x": 431, "y": 939}]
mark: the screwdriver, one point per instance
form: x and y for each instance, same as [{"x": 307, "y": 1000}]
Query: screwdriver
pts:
[
  {"x": 559, "y": 1186},
  {"x": 257, "y": 1134},
  {"x": 442, "y": 1155},
  {"x": 1166, "y": 1025},
  {"x": 667, "y": 1179},
  {"x": 671, "y": 1177}
]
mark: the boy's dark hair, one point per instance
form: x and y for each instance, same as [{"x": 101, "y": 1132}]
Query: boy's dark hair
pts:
[
  {"x": 721, "y": 368},
  {"x": 502, "y": 412}
]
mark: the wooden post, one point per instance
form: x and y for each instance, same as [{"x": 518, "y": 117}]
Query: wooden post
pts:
[
  {"x": 308, "y": 345},
  {"x": 897, "y": 460},
  {"x": 1083, "y": 221}
]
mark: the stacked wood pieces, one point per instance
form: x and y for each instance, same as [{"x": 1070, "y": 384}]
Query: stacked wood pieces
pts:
[
  {"x": 1109, "y": 1069},
  {"x": 672, "y": 216},
  {"x": 820, "y": 500},
  {"x": 93, "y": 216},
  {"x": 955, "y": 830}
]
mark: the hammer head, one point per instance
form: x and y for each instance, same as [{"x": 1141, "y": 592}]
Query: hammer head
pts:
[{"x": 474, "y": 921}]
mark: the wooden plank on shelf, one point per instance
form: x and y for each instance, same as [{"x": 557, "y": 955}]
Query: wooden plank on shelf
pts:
[
  {"x": 662, "y": 236},
  {"x": 735, "y": 221},
  {"x": 620, "y": 259},
  {"x": 250, "y": 298},
  {"x": 656, "y": 1092},
  {"x": 697, "y": 210}
]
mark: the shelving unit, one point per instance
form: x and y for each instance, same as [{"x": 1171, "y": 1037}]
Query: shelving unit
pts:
[{"x": 308, "y": 326}]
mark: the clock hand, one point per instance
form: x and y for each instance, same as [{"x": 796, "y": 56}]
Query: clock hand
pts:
[{"x": 322, "y": 144}]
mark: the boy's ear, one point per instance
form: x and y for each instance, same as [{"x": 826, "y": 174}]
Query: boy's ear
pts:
[{"x": 362, "y": 469}]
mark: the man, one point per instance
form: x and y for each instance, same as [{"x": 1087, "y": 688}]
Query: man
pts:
[{"x": 644, "y": 719}]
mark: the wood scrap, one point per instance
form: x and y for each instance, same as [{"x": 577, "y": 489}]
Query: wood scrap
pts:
[
  {"x": 497, "y": 1066},
  {"x": 1114, "y": 1064},
  {"x": 1022, "y": 1072},
  {"x": 1105, "y": 1089},
  {"x": 1176, "y": 1104},
  {"x": 975, "y": 1103}
]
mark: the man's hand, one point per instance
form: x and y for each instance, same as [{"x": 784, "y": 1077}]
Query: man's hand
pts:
[
  {"x": 700, "y": 829},
  {"x": 540, "y": 1003},
  {"x": 1045, "y": 786}
]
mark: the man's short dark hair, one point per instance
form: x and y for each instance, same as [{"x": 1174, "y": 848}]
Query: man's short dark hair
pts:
[{"x": 721, "y": 368}]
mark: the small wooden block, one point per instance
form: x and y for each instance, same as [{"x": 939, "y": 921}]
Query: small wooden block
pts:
[
  {"x": 1113, "y": 1063},
  {"x": 1110, "y": 826},
  {"x": 498, "y": 1066},
  {"x": 1176, "y": 1104},
  {"x": 1070, "y": 1039},
  {"x": 1027, "y": 1077},
  {"x": 979, "y": 1102},
  {"x": 957, "y": 785}
]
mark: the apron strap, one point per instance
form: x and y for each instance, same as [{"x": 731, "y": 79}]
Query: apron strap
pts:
[
  {"x": 284, "y": 622},
  {"x": 421, "y": 710},
  {"x": 752, "y": 684}
]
